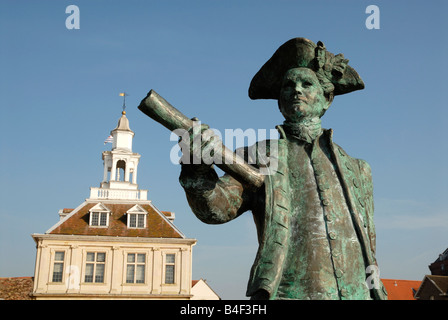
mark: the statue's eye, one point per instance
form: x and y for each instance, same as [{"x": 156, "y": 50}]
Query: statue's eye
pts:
[
  {"x": 289, "y": 84},
  {"x": 307, "y": 84}
]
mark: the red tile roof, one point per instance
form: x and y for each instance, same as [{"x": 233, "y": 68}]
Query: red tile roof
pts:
[
  {"x": 193, "y": 282},
  {"x": 157, "y": 226},
  {"x": 16, "y": 288},
  {"x": 21, "y": 288},
  {"x": 401, "y": 289}
]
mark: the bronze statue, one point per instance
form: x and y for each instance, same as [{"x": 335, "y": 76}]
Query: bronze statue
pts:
[{"x": 314, "y": 208}]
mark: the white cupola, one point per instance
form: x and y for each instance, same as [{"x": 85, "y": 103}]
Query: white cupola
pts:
[{"x": 120, "y": 167}]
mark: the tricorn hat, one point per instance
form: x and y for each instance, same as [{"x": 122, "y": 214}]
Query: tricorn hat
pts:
[{"x": 301, "y": 52}]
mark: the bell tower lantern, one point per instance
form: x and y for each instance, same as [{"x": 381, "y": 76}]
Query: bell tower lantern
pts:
[
  {"x": 120, "y": 164},
  {"x": 120, "y": 167}
]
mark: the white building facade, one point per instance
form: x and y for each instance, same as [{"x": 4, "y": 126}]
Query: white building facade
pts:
[{"x": 116, "y": 244}]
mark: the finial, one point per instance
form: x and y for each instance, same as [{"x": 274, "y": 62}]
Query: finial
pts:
[{"x": 123, "y": 94}]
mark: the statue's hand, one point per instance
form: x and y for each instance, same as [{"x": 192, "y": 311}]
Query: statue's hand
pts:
[{"x": 198, "y": 145}]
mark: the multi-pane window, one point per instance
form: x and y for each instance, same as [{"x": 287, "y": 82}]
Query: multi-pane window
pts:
[
  {"x": 169, "y": 268},
  {"x": 98, "y": 219},
  {"x": 136, "y": 220},
  {"x": 135, "y": 269},
  {"x": 58, "y": 266},
  {"x": 95, "y": 263}
]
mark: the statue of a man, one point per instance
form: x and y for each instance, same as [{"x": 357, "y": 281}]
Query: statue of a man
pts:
[{"x": 314, "y": 213}]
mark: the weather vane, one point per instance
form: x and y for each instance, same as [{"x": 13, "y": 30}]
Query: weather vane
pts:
[{"x": 124, "y": 94}]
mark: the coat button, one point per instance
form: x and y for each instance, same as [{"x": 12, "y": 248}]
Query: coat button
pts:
[
  {"x": 332, "y": 235},
  {"x": 344, "y": 293},
  {"x": 338, "y": 273},
  {"x": 363, "y": 222},
  {"x": 323, "y": 186}
]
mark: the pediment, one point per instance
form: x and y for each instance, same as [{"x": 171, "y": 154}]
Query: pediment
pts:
[
  {"x": 137, "y": 209},
  {"x": 99, "y": 207}
]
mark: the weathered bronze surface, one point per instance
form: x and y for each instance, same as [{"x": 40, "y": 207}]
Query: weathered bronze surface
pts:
[
  {"x": 160, "y": 110},
  {"x": 314, "y": 211}
]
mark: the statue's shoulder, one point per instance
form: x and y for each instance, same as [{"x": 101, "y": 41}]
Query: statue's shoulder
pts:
[
  {"x": 363, "y": 165},
  {"x": 357, "y": 167}
]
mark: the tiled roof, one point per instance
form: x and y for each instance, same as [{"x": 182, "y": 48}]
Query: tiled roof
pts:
[
  {"x": 433, "y": 286},
  {"x": 20, "y": 288},
  {"x": 77, "y": 223},
  {"x": 401, "y": 289},
  {"x": 440, "y": 281},
  {"x": 16, "y": 288}
]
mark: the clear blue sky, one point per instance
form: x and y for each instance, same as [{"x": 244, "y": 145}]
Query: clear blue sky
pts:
[{"x": 59, "y": 100}]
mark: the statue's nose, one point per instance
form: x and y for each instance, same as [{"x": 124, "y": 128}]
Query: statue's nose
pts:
[{"x": 299, "y": 90}]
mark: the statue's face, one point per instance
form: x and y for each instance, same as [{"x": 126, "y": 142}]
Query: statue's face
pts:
[{"x": 301, "y": 95}]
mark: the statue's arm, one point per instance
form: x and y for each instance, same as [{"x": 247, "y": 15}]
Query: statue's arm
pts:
[{"x": 213, "y": 199}]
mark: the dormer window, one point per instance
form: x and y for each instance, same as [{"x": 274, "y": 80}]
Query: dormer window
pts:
[
  {"x": 98, "y": 219},
  {"x": 99, "y": 216},
  {"x": 136, "y": 217},
  {"x": 137, "y": 220}
]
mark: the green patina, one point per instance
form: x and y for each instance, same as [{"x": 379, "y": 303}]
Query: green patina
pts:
[{"x": 314, "y": 212}]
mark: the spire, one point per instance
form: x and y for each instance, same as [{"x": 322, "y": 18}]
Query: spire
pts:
[
  {"x": 123, "y": 123},
  {"x": 122, "y": 135}
]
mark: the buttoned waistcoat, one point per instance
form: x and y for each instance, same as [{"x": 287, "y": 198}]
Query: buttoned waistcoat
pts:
[{"x": 356, "y": 181}]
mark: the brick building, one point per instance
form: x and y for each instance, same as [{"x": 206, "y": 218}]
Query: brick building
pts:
[
  {"x": 435, "y": 286},
  {"x": 440, "y": 266}
]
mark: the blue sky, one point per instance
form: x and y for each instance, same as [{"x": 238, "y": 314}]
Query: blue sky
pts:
[{"x": 59, "y": 100}]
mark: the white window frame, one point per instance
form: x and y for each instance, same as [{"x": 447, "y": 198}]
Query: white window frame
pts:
[
  {"x": 166, "y": 264},
  {"x": 53, "y": 262},
  {"x": 136, "y": 211},
  {"x": 135, "y": 264},
  {"x": 137, "y": 224},
  {"x": 95, "y": 264},
  {"x": 102, "y": 211}
]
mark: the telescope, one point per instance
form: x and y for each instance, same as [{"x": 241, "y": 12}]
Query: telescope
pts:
[{"x": 158, "y": 109}]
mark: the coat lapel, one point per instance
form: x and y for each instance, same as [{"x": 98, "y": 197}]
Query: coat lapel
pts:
[{"x": 357, "y": 186}]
